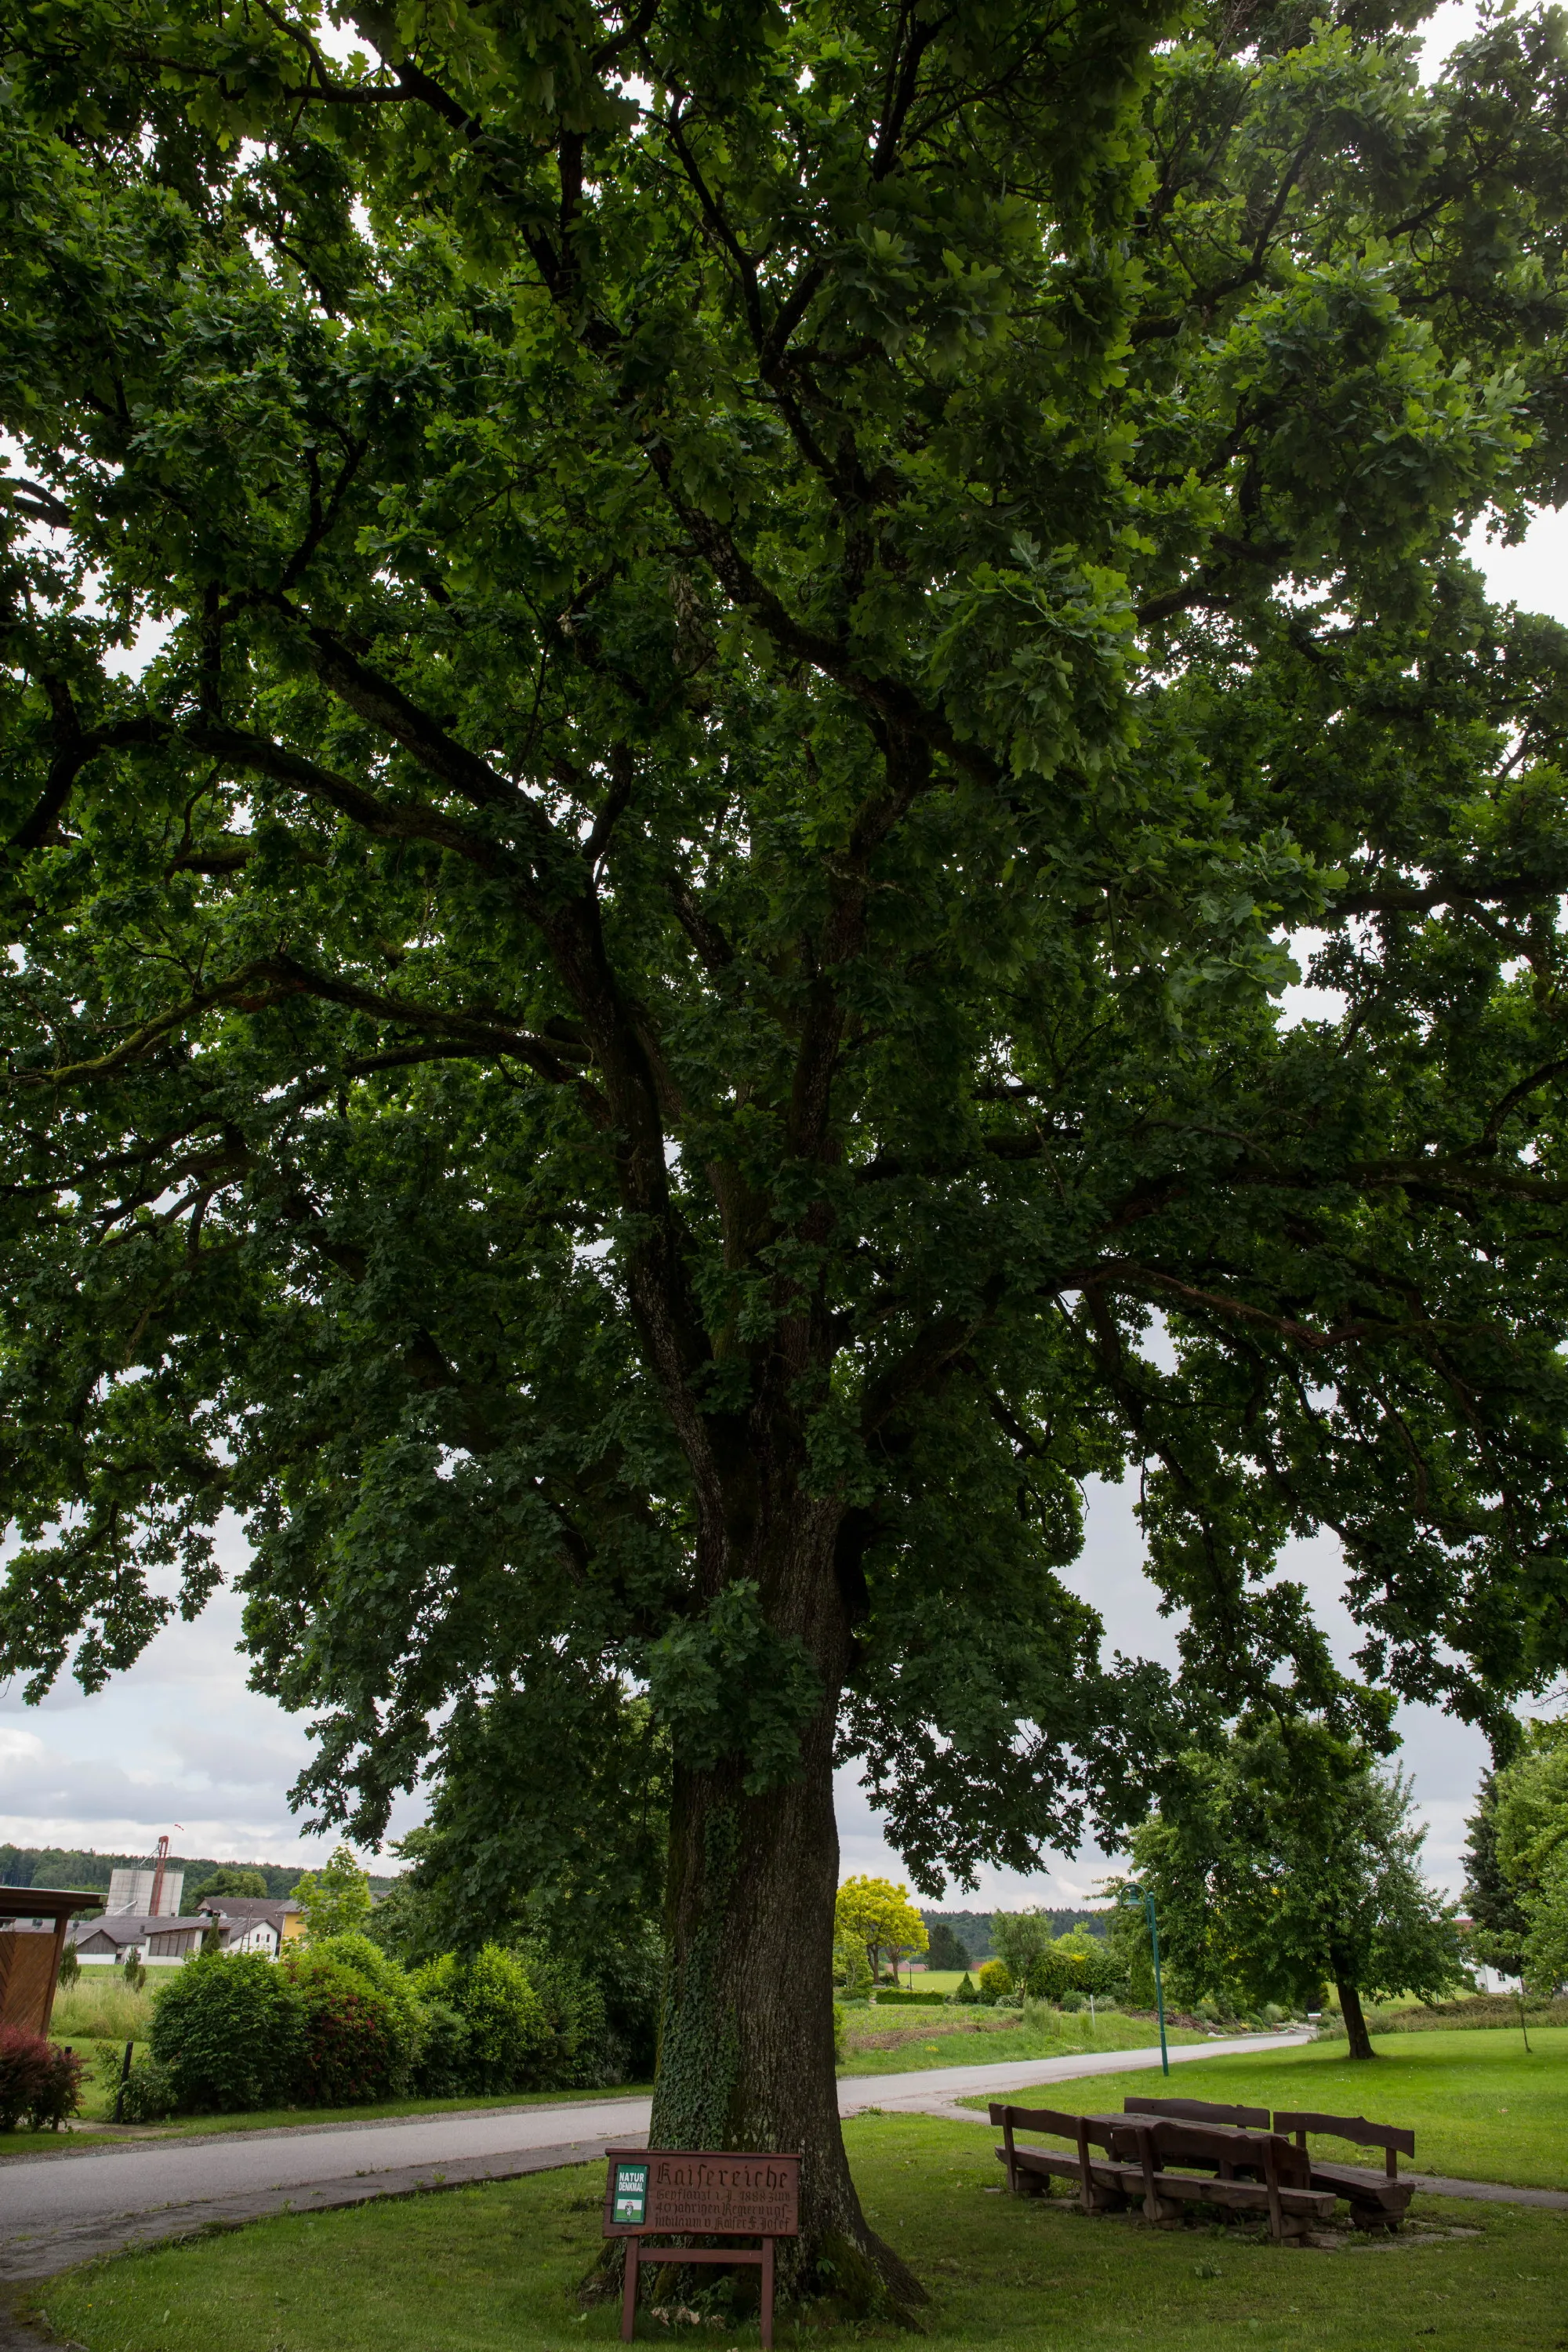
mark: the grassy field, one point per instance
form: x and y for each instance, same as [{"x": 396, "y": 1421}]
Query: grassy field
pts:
[
  {"x": 899, "y": 2041},
  {"x": 103, "y": 2008},
  {"x": 495, "y": 2270},
  {"x": 1479, "y": 2110}
]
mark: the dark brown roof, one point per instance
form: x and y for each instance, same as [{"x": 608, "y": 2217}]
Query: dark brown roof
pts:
[
  {"x": 49, "y": 1902},
  {"x": 250, "y": 1907}
]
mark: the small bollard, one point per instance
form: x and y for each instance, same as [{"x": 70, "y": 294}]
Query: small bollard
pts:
[{"x": 124, "y": 2078}]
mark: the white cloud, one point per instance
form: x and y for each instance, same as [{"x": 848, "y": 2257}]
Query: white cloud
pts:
[{"x": 176, "y": 1739}]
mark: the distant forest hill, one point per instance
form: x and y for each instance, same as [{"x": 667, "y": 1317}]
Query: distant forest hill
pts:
[
  {"x": 53, "y": 1865},
  {"x": 972, "y": 1928}
]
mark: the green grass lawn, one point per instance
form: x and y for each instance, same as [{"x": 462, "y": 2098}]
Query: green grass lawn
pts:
[
  {"x": 978, "y": 2037},
  {"x": 1480, "y": 2109},
  {"x": 495, "y": 2269}
]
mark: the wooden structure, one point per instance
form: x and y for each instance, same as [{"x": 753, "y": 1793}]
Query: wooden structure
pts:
[
  {"x": 1377, "y": 2199},
  {"x": 30, "y": 1956},
  {"x": 1202, "y": 2111},
  {"x": 1146, "y": 2158},
  {"x": 675, "y": 2192}
]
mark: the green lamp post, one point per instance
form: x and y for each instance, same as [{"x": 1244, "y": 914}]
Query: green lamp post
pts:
[{"x": 1133, "y": 1892}]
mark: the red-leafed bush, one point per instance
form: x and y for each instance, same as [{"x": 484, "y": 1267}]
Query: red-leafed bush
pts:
[
  {"x": 351, "y": 2049},
  {"x": 364, "y": 2026},
  {"x": 38, "y": 2081}
]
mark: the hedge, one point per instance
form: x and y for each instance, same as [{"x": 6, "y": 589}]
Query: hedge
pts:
[
  {"x": 364, "y": 2029},
  {"x": 508, "y": 2034},
  {"x": 230, "y": 2032}
]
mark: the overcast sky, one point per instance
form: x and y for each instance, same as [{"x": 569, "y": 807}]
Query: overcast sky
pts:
[{"x": 181, "y": 1740}]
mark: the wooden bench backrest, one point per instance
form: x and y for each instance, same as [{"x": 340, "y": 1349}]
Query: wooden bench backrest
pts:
[
  {"x": 1199, "y": 2111},
  {"x": 1051, "y": 2121},
  {"x": 1392, "y": 2136}
]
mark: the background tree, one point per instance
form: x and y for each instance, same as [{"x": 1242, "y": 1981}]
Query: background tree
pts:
[
  {"x": 1019, "y": 1938},
  {"x": 763, "y": 621},
  {"x": 944, "y": 1949},
  {"x": 334, "y": 1899},
  {"x": 1529, "y": 1823},
  {"x": 1532, "y": 1811},
  {"x": 1284, "y": 1857},
  {"x": 1499, "y": 1926},
  {"x": 879, "y": 1918},
  {"x": 1076, "y": 1962}
]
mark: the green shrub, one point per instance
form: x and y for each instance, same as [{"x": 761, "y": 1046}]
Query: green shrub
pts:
[
  {"x": 1074, "y": 1963},
  {"x": 576, "y": 2056},
  {"x": 966, "y": 1992},
  {"x": 838, "y": 2050},
  {"x": 362, "y": 2038},
  {"x": 443, "y": 2072},
  {"x": 364, "y": 2023},
  {"x": 629, "y": 1973},
  {"x": 1074, "y": 2000},
  {"x": 996, "y": 1980},
  {"x": 231, "y": 2032},
  {"x": 885, "y": 2000},
  {"x": 509, "y": 2034},
  {"x": 148, "y": 2095}
]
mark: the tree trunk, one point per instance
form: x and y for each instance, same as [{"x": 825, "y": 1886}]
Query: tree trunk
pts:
[
  {"x": 746, "y": 2055},
  {"x": 1355, "y": 2023}
]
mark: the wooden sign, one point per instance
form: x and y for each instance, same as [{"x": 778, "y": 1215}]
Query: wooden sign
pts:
[
  {"x": 680, "y": 2192},
  {"x": 684, "y": 2191}
]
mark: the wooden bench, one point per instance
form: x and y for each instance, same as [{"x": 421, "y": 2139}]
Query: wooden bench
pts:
[
  {"x": 1140, "y": 2153},
  {"x": 1377, "y": 2199},
  {"x": 1201, "y": 2111},
  {"x": 1104, "y": 2186}
]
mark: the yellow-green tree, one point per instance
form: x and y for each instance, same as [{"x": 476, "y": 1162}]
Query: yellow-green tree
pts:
[
  {"x": 878, "y": 1915},
  {"x": 335, "y": 1899}
]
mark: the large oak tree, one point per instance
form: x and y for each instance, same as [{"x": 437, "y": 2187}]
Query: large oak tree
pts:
[{"x": 767, "y": 618}]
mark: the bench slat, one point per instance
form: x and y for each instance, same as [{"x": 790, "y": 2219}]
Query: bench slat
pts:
[
  {"x": 1200, "y": 2111},
  {"x": 1355, "y": 2129},
  {"x": 1191, "y": 2187}
]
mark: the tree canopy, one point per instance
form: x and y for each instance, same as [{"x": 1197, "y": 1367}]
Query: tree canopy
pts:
[
  {"x": 1285, "y": 1858},
  {"x": 767, "y": 620},
  {"x": 334, "y": 1899},
  {"x": 879, "y": 1918},
  {"x": 1520, "y": 1839}
]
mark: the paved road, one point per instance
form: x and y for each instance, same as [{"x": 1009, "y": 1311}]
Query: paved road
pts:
[
  {"x": 938, "y": 2086},
  {"x": 48, "y": 2193}
]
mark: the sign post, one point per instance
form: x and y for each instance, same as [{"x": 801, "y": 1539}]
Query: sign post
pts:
[
  {"x": 1133, "y": 1893},
  {"x": 679, "y": 2192}
]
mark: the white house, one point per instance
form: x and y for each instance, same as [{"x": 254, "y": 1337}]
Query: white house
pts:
[
  {"x": 111, "y": 1940},
  {"x": 244, "y": 1924}
]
